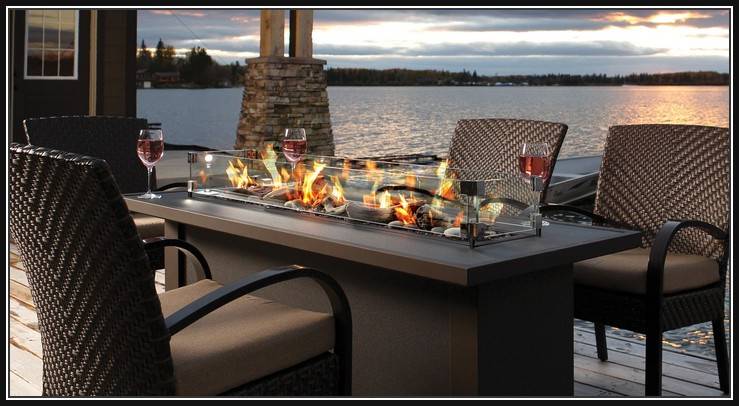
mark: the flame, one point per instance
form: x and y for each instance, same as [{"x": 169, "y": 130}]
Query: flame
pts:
[
  {"x": 285, "y": 175},
  {"x": 310, "y": 198},
  {"x": 346, "y": 170},
  {"x": 410, "y": 180},
  {"x": 446, "y": 185},
  {"x": 403, "y": 213},
  {"x": 269, "y": 157},
  {"x": 238, "y": 175},
  {"x": 337, "y": 191},
  {"x": 385, "y": 200},
  {"x": 458, "y": 220}
]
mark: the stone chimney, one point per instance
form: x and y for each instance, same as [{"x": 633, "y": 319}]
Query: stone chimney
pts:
[{"x": 282, "y": 92}]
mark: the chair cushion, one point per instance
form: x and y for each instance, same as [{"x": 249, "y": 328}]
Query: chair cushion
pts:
[
  {"x": 244, "y": 340},
  {"x": 626, "y": 271},
  {"x": 148, "y": 226}
]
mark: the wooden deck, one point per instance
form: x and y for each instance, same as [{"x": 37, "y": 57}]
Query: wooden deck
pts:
[{"x": 622, "y": 375}]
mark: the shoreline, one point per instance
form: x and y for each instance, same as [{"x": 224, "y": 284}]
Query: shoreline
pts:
[{"x": 505, "y": 86}]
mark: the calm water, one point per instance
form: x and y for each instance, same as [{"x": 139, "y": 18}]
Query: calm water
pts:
[
  {"x": 389, "y": 120},
  {"x": 371, "y": 121}
]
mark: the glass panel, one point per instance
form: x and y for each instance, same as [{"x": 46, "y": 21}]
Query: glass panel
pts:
[
  {"x": 66, "y": 62},
  {"x": 66, "y": 36},
  {"x": 423, "y": 199},
  {"x": 51, "y": 29},
  {"x": 33, "y": 64},
  {"x": 35, "y": 21},
  {"x": 66, "y": 16},
  {"x": 51, "y": 62},
  {"x": 54, "y": 14}
]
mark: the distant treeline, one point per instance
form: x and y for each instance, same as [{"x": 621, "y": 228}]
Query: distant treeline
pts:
[
  {"x": 195, "y": 69},
  {"x": 408, "y": 77}
]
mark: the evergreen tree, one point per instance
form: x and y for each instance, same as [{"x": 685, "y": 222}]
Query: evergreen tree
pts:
[{"x": 143, "y": 58}]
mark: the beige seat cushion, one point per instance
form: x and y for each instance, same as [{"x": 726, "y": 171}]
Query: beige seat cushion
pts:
[
  {"x": 244, "y": 340},
  {"x": 626, "y": 271},
  {"x": 148, "y": 226}
]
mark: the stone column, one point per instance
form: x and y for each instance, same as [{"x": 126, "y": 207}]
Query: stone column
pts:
[{"x": 283, "y": 92}]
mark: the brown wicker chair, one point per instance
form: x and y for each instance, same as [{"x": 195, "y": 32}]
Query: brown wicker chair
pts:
[
  {"x": 672, "y": 183},
  {"x": 112, "y": 139},
  {"x": 105, "y": 332},
  {"x": 494, "y": 144}
]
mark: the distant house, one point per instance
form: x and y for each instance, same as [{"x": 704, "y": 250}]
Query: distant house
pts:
[
  {"x": 164, "y": 78},
  {"x": 143, "y": 79}
]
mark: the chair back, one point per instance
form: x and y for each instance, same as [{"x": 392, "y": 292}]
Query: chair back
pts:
[
  {"x": 102, "y": 329},
  {"x": 654, "y": 172},
  {"x": 110, "y": 138},
  {"x": 494, "y": 145}
]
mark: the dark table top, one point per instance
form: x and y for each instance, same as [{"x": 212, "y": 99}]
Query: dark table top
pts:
[{"x": 419, "y": 255}]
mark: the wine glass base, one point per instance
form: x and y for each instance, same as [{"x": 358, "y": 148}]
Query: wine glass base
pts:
[{"x": 150, "y": 196}]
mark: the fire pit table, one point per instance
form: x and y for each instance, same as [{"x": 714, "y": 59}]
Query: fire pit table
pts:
[{"x": 484, "y": 309}]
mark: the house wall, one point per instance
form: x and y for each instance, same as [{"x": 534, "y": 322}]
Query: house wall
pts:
[
  {"x": 115, "y": 87},
  {"x": 116, "y": 63},
  {"x": 45, "y": 98}
]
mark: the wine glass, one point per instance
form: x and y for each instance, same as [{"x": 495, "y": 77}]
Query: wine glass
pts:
[
  {"x": 150, "y": 147},
  {"x": 534, "y": 164},
  {"x": 294, "y": 145}
]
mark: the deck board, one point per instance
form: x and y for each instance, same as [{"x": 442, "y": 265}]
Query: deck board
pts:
[{"x": 621, "y": 375}]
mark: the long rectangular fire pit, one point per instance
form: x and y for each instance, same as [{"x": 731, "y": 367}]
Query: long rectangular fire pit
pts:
[
  {"x": 431, "y": 316},
  {"x": 458, "y": 205}
]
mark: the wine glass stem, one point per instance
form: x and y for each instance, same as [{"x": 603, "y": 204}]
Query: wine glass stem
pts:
[{"x": 148, "y": 179}]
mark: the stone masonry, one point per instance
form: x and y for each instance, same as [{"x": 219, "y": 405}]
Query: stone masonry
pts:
[{"x": 283, "y": 92}]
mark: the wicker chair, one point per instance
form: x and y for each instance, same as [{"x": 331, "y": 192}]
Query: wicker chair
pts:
[
  {"x": 105, "y": 332},
  {"x": 112, "y": 139},
  {"x": 672, "y": 183},
  {"x": 494, "y": 144}
]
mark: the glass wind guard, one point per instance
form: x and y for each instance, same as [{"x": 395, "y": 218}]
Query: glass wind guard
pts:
[{"x": 448, "y": 203}]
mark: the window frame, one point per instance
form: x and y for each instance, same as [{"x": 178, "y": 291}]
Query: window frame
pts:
[{"x": 26, "y": 76}]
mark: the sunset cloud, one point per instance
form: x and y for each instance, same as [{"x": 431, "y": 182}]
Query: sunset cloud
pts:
[
  {"x": 179, "y": 13},
  {"x": 487, "y": 40}
]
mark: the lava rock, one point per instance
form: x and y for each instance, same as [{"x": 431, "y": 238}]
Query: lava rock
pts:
[
  {"x": 453, "y": 232},
  {"x": 423, "y": 217}
]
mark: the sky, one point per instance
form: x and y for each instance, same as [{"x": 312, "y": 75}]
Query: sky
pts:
[{"x": 500, "y": 41}]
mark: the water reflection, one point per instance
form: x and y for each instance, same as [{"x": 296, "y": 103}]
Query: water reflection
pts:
[{"x": 398, "y": 120}]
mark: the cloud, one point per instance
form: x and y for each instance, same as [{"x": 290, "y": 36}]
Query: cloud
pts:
[
  {"x": 188, "y": 13},
  {"x": 599, "y": 48},
  {"x": 568, "y": 39},
  {"x": 585, "y": 49},
  {"x": 528, "y": 19}
]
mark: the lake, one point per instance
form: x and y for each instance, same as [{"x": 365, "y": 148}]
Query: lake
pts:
[{"x": 372, "y": 121}]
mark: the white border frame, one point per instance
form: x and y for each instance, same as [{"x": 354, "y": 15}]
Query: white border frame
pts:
[{"x": 76, "y": 50}]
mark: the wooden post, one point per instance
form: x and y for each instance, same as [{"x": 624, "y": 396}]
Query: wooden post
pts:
[
  {"x": 301, "y": 33},
  {"x": 272, "y": 33}
]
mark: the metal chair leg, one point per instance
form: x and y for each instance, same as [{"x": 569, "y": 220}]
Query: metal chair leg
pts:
[
  {"x": 600, "y": 341},
  {"x": 654, "y": 364},
  {"x": 722, "y": 355}
]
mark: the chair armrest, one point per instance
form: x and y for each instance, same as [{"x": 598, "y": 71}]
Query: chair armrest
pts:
[
  {"x": 507, "y": 201},
  {"x": 158, "y": 243},
  {"x": 172, "y": 186},
  {"x": 550, "y": 208},
  {"x": 661, "y": 244},
  {"x": 339, "y": 305}
]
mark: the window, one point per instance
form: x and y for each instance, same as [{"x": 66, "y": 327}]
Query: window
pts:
[{"x": 51, "y": 44}]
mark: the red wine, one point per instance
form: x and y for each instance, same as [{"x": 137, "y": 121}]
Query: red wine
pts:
[
  {"x": 294, "y": 149},
  {"x": 150, "y": 151},
  {"x": 534, "y": 166}
]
